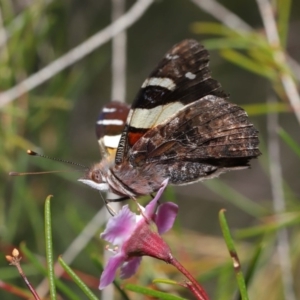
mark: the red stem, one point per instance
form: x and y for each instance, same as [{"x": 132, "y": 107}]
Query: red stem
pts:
[
  {"x": 32, "y": 290},
  {"x": 193, "y": 286}
]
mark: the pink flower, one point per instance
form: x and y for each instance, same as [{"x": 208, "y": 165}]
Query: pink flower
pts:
[{"x": 136, "y": 236}]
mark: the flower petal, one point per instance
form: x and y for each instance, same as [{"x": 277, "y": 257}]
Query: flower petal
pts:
[
  {"x": 150, "y": 208},
  {"x": 120, "y": 227},
  {"x": 130, "y": 267},
  {"x": 166, "y": 215},
  {"x": 109, "y": 273}
]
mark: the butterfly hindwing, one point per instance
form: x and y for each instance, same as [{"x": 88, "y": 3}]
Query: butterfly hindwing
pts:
[
  {"x": 109, "y": 127},
  {"x": 207, "y": 130}
]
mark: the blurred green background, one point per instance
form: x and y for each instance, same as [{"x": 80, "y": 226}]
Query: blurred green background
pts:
[{"x": 58, "y": 119}]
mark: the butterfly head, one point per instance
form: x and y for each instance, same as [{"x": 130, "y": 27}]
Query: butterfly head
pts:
[{"x": 95, "y": 178}]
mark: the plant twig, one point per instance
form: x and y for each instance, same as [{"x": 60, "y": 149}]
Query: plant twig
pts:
[
  {"x": 77, "y": 280},
  {"x": 14, "y": 260},
  {"x": 77, "y": 53},
  {"x": 118, "y": 89},
  {"x": 287, "y": 81},
  {"x": 224, "y": 15},
  {"x": 118, "y": 92},
  {"x": 233, "y": 21},
  {"x": 279, "y": 205}
]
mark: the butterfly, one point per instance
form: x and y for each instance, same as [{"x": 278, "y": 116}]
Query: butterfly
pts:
[{"x": 180, "y": 127}]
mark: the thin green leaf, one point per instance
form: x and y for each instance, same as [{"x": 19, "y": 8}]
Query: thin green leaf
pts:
[
  {"x": 77, "y": 280},
  {"x": 224, "y": 285},
  {"x": 250, "y": 41},
  {"x": 214, "y": 272},
  {"x": 165, "y": 281},
  {"x": 253, "y": 263},
  {"x": 49, "y": 249},
  {"x": 50, "y": 102},
  {"x": 262, "y": 54},
  {"x": 248, "y": 64},
  {"x": 33, "y": 259},
  {"x": 266, "y": 108},
  {"x": 212, "y": 28},
  {"x": 16, "y": 210},
  {"x": 281, "y": 221},
  {"x": 234, "y": 197},
  {"x": 226, "y": 232},
  {"x": 227, "y": 43},
  {"x": 149, "y": 292},
  {"x": 292, "y": 199},
  {"x": 231, "y": 248},
  {"x": 289, "y": 141},
  {"x": 8, "y": 273},
  {"x": 283, "y": 10}
]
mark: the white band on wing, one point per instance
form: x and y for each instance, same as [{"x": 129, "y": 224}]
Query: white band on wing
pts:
[
  {"x": 110, "y": 122},
  {"x": 164, "y": 82}
]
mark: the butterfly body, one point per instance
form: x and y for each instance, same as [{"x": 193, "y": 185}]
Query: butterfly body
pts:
[
  {"x": 180, "y": 127},
  {"x": 126, "y": 180}
]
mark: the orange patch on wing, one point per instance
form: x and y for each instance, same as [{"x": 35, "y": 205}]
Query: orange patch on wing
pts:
[{"x": 133, "y": 137}]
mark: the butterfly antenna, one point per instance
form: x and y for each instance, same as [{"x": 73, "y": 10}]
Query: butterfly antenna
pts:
[
  {"x": 32, "y": 153},
  {"x": 33, "y": 173}
]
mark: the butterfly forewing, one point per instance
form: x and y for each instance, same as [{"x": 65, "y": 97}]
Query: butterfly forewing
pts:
[{"x": 180, "y": 78}]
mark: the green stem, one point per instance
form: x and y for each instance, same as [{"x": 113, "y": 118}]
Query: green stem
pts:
[{"x": 49, "y": 249}]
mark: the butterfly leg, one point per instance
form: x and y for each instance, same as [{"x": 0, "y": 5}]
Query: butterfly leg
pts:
[
  {"x": 109, "y": 208},
  {"x": 111, "y": 211}
]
